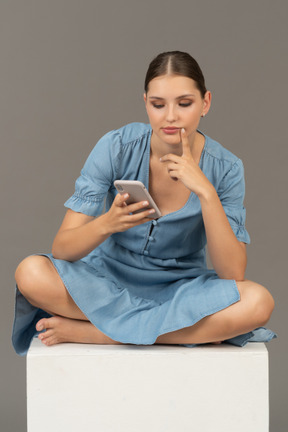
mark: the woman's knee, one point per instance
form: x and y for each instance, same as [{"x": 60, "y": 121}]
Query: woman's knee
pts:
[
  {"x": 29, "y": 273},
  {"x": 266, "y": 306},
  {"x": 259, "y": 299}
]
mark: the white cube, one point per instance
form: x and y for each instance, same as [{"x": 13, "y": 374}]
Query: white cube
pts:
[{"x": 106, "y": 388}]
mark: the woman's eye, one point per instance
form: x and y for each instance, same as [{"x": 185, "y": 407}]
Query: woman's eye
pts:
[
  {"x": 185, "y": 104},
  {"x": 158, "y": 106}
]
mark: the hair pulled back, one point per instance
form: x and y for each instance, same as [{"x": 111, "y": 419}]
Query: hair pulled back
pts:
[{"x": 176, "y": 63}]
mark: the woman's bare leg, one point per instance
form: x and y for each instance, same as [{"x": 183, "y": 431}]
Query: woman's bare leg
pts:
[
  {"x": 60, "y": 330},
  {"x": 40, "y": 283},
  {"x": 253, "y": 310}
]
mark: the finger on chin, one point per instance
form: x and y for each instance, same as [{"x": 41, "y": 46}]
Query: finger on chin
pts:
[{"x": 185, "y": 142}]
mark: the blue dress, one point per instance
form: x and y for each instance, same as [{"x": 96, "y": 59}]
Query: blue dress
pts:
[{"x": 153, "y": 278}]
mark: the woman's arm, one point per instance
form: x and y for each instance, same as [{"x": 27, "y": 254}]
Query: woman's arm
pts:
[
  {"x": 227, "y": 254},
  {"x": 79, "y": 234}
]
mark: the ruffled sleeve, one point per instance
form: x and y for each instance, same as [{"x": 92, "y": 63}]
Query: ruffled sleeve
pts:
[
  {"x": 97, "y": 175},
  {"x": 231, "y": 193}
]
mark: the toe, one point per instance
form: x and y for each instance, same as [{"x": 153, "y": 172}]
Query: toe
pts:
[
  {"x": 46, "y": 341},
  {"x": 46, "y": 334},
  {"x": 49, "y": 341},
  {"x": 40, "y": 325},
  {"x": 43, "y": 324}
]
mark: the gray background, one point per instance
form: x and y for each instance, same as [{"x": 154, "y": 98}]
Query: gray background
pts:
[{"x": 72, "y": 70}]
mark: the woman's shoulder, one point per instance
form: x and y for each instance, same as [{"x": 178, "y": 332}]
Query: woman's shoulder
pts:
[
  {"x": 220, "y": 164},
  {"x": 131, "y": 132},
  {"x": 114, "y": 144},
  {"x": 219, "y": 154}
]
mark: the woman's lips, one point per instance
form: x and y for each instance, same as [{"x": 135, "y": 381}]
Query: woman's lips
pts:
[{"x": 170, "y": 130}]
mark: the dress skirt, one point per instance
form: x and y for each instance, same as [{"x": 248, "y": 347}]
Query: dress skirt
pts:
[{"x": 135, "y": 305}]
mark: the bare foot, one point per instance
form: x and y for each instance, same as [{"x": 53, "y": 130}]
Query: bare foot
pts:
[{"x": 60, "y": 330}]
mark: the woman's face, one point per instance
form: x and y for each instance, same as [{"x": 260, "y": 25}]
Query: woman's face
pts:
[{"x": 174, "y": 102}]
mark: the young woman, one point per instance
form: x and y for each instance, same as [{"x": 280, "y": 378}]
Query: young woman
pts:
[{"x": 116, "y": 276}]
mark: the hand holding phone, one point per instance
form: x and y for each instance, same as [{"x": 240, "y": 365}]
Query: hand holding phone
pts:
[{"x": 137, "y": 192}]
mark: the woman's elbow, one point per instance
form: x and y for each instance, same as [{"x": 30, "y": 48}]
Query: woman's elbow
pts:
[
  {"x": 240, "y": 269},
  {"x": 57, "y": 250},
  {"x": 236, "y": 272},
  {"x": 60, "y": 252},
  {"x": 55, "y": 253}
]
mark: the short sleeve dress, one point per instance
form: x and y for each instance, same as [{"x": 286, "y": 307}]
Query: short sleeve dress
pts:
[{"x": 153, "y": 278}]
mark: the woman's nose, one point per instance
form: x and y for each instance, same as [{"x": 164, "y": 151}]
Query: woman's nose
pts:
[{"x": 171, "y": 115}]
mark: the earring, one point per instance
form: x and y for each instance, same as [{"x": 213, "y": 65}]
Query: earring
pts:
[{"x": 203, "y": 115}]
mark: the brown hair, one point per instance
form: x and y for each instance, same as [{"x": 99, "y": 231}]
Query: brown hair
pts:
[{"x": 176, "y": 63}]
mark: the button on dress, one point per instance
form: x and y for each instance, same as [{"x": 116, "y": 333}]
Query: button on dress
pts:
[{"x": 153, "y": 278}]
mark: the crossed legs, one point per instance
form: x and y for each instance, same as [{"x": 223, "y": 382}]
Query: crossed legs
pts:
[{"x": 39, "y": 282}]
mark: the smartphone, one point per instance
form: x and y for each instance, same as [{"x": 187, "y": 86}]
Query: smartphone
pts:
[{"x": 137, "y": 192}]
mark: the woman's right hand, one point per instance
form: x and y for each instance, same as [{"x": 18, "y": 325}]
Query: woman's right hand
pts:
[
  {"x": 121, "y": 216},
  {"x": 79, "y": 234}
]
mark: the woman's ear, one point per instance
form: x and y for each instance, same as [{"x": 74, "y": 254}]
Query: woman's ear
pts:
[
  {"x": 145, "y": 98},
  {"x": 207, "y": 102}
]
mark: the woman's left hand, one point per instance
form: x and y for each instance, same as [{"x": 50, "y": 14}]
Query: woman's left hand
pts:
[{"x": 185, "y": 169}]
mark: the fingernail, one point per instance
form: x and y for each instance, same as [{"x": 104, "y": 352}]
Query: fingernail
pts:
[
  {"x": 125, "y": 195},
  {"x": 40, "y": 327},
  {"x": 182, "y": 130},
  {"x": 145, "y": 203},
  {"x": 152, "y": 211}
]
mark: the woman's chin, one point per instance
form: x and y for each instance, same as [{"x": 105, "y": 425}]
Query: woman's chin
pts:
[{"x": 172, "y": 141}]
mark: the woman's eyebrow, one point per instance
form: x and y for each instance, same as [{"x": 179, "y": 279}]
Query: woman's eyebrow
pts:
[{"x": 179, "y": 97}]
